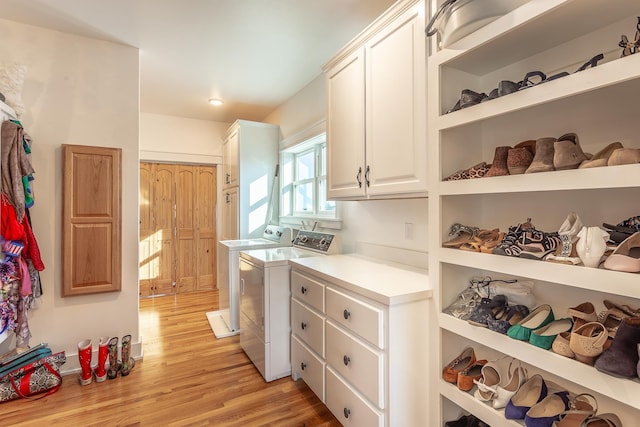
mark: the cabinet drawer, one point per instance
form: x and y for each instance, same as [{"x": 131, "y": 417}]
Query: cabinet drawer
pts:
[
  {"x": 349, "y": 408},
  {"x": 308, "y": 325},
  {"x": 362, "y": 318},
  {"x": 357, "y": 362},
  {"x": 307, "y": 290},
  {"x": 308, "y": 366}
]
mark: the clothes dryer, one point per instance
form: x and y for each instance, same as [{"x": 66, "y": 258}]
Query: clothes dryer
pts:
[{"x": 226, "y": 321}]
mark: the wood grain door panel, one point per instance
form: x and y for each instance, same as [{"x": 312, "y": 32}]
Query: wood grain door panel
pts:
[{"x": 91, "y": 225}]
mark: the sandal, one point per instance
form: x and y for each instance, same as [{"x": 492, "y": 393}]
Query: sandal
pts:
[
  {"x": 626, "y": 309},
  {"x": 602, "y": 420},
  {"x": 483, "y": 236},
  {"x": 581, "y": 407},
  {"x": 460, "y": 234}
]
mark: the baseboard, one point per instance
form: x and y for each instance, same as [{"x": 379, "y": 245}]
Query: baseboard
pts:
[{"x": 72, "y": 365}]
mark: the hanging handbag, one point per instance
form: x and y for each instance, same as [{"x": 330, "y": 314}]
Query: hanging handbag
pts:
[
  {"x": 456, "y": 19},
  {"x": 40, "y": 377}
]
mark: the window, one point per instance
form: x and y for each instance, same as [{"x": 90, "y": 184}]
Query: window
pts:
[{"x": 304, "y": 180}]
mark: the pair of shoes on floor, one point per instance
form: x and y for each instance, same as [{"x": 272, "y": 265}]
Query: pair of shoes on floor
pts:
[
  {"x": 125, "y": 364},
  {"x": 108, "y": 365}
]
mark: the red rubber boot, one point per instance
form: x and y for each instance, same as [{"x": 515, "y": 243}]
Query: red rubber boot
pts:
[
  {"x": 103, "y": 353},
  {"x": 84, "y": 355}
]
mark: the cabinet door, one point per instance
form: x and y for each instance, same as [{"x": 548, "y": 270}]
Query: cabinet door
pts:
[
  {"x": 230, "y": 215},
  {"x": 345, "y": 127},
  {"x": 396, "y": 147},
  {"x": 91, "y": 220},
  {"x": 231, "y": 160}
]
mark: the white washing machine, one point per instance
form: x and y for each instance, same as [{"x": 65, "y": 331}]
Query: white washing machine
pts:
[
  {"x": 226, "y": 321},
  {"x": 265, "y": 300}
]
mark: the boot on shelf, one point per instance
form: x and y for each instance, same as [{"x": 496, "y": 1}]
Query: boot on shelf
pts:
[
  {"x": 103, "y": 353},
  {"x": 84, "y": 356},
  {"x": 621, "y": 359}
]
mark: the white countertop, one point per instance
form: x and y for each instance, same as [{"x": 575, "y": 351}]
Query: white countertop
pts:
[{"x": 383, "y": 281}]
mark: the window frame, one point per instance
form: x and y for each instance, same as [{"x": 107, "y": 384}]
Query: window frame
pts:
[{"x": 288, "y": 193}]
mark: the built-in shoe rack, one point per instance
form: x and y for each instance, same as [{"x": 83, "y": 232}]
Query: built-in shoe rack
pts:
[{"x": 601, "y": 105}]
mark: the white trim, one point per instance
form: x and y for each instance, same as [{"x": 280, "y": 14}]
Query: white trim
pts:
[
  {"x": 304, "y": 135},
  {"x": 165, "y": 156}
]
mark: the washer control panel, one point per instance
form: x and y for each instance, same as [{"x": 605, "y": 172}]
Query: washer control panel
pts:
[{"x": 318, "y": 242}]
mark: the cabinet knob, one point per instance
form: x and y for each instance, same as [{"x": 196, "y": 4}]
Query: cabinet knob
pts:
[
  {"x": 347, "y": 412},
  {"x": 303, "y": 366},
  {"x": 346, "y": 314},
  {"x": 303, "y": 290},
  {"x": 303, "y": 325},
  {"x": 346, "y": 360}
]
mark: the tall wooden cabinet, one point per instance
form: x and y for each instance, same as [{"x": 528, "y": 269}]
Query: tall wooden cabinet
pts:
[
  {"x": 599, "y": 104},
  {"x": 250, "y": 157},
  {"x": 177, "y": 228},
  {"x": 376, "y": 102}
]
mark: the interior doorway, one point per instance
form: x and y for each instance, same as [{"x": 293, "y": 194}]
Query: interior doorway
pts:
[{"x": 177, "y": 228}]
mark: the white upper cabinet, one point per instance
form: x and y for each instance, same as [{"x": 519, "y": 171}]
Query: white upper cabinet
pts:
[{"x": 376, "y": 104}]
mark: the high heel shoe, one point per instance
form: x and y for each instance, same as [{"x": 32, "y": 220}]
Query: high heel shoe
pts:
[
  {"x": 581, "y": 407},
  {"x": 587, "y": 342}
]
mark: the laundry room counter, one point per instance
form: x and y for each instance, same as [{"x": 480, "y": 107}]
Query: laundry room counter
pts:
[{"x": 383, "y": 281}]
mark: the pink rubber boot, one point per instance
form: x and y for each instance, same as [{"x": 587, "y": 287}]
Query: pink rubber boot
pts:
[
  {"x": 84, "y": 355},
  {"x": 103, "y": 353}
]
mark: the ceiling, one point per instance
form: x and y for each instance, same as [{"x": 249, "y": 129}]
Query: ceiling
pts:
[{"x": 254, "y": 54}]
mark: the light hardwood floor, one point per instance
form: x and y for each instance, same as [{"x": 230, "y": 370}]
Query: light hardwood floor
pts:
[{"x": 187, "y": 378}]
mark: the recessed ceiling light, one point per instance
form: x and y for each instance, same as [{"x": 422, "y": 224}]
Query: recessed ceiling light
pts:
[{"x": 216, "y": 101}]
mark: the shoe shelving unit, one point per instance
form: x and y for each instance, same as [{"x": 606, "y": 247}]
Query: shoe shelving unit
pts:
[{"x": 601, "y": 105}]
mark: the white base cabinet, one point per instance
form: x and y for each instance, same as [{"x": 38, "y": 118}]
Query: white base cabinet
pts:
[
  {"x": 359, "y": 349},
  {"x": 598, "y": 104}
]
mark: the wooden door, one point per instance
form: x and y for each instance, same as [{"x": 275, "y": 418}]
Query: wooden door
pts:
[
  {"x": 163, "y": 241},
  {"x": 146, "y": 253},
  {"x": 177, "y": 228},
  {"x": 206, "y": 202}
]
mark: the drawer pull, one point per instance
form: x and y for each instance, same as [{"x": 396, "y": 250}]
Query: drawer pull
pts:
[
  {"x": 346, "y": 314},
  {"x": 303, "y": 366},
  {"x": 347, "y": 412},
  {"x": 303, "y": 290},
  {"x": 303, "y": 325},
  {"x": 346, "y": 360}
]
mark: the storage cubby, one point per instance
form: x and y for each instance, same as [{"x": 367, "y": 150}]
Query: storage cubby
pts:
[{"x": 598, "y": 104}]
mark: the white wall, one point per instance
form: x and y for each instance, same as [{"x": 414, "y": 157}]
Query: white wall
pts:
[
  {"x": 375, "y": 222},
  {"x": 179, "y": 139},
  {"x": 77, "y": 91}
]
